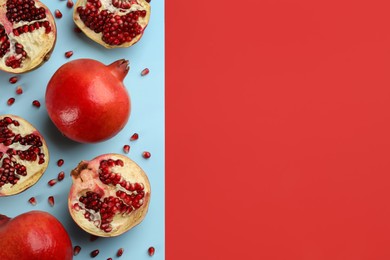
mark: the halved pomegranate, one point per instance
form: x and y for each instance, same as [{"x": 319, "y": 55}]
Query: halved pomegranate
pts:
[
  {"x": 24, "y": 155},
  {"x": 110, "y": 195},
  {"x": 27, "y": 35},
  {"x": 112, "y": 23}
]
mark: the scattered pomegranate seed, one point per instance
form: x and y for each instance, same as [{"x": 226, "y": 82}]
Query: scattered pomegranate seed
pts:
[
  {"x": 51, "y": 201},
  {"x": 76, "y": 250},
  {"x": 77, "y": 29},
  {"x": 61, "y": 176},
  {"x": 13, "y": 80},
  {"x": 52, "y": 182},
  {"x": 126, "y": 148},
  {"x": 151, "y": 251},
  {"x": 93, "y": 238},
  {"x": 68, "y": 54},
  {"x": 148, "y": 1},
  {"x": 10, "y": 101},
  {"x": 145, "y": 72},
  {"x": 134, "y": 137},
  {"x": 109, "y": 258},
  {"x": 36, "y": 103},
  {"x": 94, "y": 253},
  {"x": 60, "y": 162},
  {"x": 146, "y": 155},
  {"x": 69, "y": 4},
  {"x": 32, "y": 201},
  {"x": 57, "y": 13},
  {"x": 19, "y": 90},
  {"x": 120, "y": 252}
]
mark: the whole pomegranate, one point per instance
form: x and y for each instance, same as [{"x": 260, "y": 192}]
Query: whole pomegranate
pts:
[
  {"x": 109, "y": 195},
  {"x": 34, "y": 235},
  {"x": 27, "y": 35},
  {"x": 87, "y": 100},
  {"x": 24, "y": 155}
]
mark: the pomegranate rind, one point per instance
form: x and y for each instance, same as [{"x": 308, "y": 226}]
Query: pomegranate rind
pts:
[
  {"x": 85, "y": 178},
  {"x": 35, "y": 170},
  {"x": 97, "y": 37},
  {"x": 45, "y": 45}
]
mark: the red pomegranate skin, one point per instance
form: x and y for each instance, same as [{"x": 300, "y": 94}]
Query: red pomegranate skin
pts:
[
  {"x": 34, "y": 235},
  {"x": 87, "y": 100}
]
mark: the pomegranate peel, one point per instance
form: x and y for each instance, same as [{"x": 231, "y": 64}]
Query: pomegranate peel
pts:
[
  {"x": 24, "y": 155},
  {"x": 109, "y": 195}
]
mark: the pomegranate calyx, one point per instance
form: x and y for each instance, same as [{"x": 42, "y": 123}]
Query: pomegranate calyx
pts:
[{"x": 120, "y": 68}]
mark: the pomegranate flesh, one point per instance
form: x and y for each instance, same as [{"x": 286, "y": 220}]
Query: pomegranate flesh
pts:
[
  {"x": 87, "y": 100},
  {"x": 27, "y": 35},
  {"x": 24, "y": 155},
  {"x": 110, "y": 195},
  {"x": 112, "y": 23},
  {"x": 34, "y": 235}
]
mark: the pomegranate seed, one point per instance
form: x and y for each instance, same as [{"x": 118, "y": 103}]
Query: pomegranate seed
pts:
[
  {"x": 52, "y": 182},
  {"x": 120, "y": 252},
  {"x": 76, "y": 250},
  {"x": 148, "y": 1},
  {"x": 109, "y": 258},
  {"x": 61, "y": 176},
  {"x": 145, "y": 72},
  {"x": 51, "y": 201},
  {"x": 69, "y": 4},
  {"x": 94, "y": 253},
  {"x": 36, "y": 103},
  {"x": 60, "y": 162},
  {"x": 126, "y": 148},
  {"x": 10, "y": 101},
  {"x": 151, "y": 251},
  {"x": 19, "y": 90},
  {"x": 13, "y": 80},
  {"x": 146, "y": 155},
  {"x": 77, "y": 29},
  {"x": 57, "y": 13},
  {"x": 32, "y": 201},
  {"x": 134, "y": 137},
  {"x": 68, "y": 54}
]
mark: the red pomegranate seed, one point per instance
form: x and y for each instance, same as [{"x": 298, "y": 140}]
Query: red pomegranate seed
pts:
[
  {"x": 13, "y": 80},
  {"x": 36, "y": 103},
  {"x": 145, "y": 72},
  {"x": 151, "y": 251},
  {"x": 52, "y": 182},
  {"x": 51, "y": 200},
  {"x": 68, "y": 54},
  {"x": 120, "y": 252},
  {"x": 146, "y": 155},
  {"x": 69, "y": 4},
  {"x": 109, "y": 258},
  {"x": 148, "y": 1},
  {"x": 77, "y": 29},
  {"x": 61, "y": 176},
  {"x": 126, "y": 148},
  {"x": 60, "y": 162},
  {"x": 19, "y": 90},
  {"x": 134, "y": 137},
  {"x": 10, "y": 101},
  {"x": 58, "y": 13},
  {"x": 76, "y": 250},
  {"x": 32, "y": 201},
  {"x": 94, "y": 253}
]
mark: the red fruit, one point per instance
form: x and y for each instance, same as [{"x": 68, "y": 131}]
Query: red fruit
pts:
[
  {"x": 32, "y": 201},
  {"x": 112, "y": 23},
  {"x": 119, "y": 252},
  {"x": 94, "y": 253},
  {"x": 134, "y": 137},
  {"x": 69, "y": 3},
  {"x": 126, "y": 148},
  {"x": 68, "y": 54},
  {"x": 58, "y": 14},
  {"x": 52, "y": 182},
  {"x": 110, "y": 195},
  {"x": 36, "y": 103},
  {"x": 19, "y": 90},
  {"x": 23, "y": 153},
  {"x": 145, "y": 72},
  {"x": 90, "y": 105},
  {"x": 11, "y": 101},
  {"x": 13, "y": 80},
  {"x": 27, "y": 35},
  {"x": 151, "y": 251},
  {"x": 76, "y": 250},
  {"x": 146, "y": 155},
  {"x": 61, "y": 176},
  {"x": 60, "y": 162},
  {"x": 34, "y": 235},
  {"x": 50, "y": 199}
]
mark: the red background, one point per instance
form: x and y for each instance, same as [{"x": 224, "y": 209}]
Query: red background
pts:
[{"x": 277, "y": 129}]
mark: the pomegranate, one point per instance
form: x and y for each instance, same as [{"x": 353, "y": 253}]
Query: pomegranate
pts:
[
  {"x": 34, "y": 235},
  {"x": 112, "y": 23},
  {"x": 24, "y": 155},
  {"x": 92, "y": 105},
  {"x": 27, "y": 35},
  {"x": 110, "y": 195}
]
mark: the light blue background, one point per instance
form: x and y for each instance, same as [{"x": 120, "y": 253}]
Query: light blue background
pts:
[{"x": 147, "y": 119}]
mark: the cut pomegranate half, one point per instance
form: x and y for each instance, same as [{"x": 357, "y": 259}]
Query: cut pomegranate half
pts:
[
  {"x": 24, "y": 155},
  {"x": 27, "y": 35},
  {"x": 112, "y": 23},
  {"x": 109, "y": 195}
]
